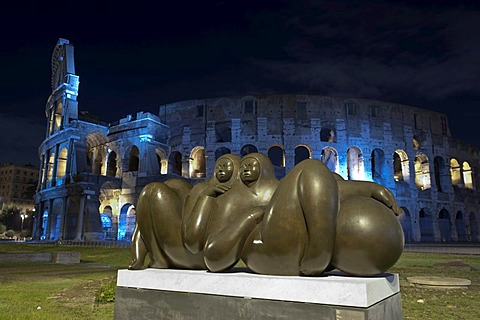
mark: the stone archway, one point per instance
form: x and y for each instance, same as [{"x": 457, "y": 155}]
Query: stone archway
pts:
[
  {"x": 406, "y": 222},
  {"x": 444, "y": 224},
  {"x": 426, "y": 225},
  {"x": 460, "y": 227}
]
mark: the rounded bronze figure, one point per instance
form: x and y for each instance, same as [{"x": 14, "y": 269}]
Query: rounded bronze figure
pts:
[{"x": 309, "y": 222}]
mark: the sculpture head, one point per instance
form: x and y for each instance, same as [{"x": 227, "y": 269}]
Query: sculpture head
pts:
[
  {"x": 227, "y": 168},
  {"x": 250, "y": 171},
  {"x": 257, "y": 173}
]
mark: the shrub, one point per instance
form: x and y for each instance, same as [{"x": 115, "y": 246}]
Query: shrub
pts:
[
  {"x": 107, "y": 292},
  {"x": 10, "y": 233},
  {"x": 3, "y": 228}
]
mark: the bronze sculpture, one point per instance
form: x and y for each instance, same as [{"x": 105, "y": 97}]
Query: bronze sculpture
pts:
[{"x": 309, "y": 222}]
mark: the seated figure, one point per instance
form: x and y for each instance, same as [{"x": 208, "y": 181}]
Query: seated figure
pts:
[
  {"x": 162, "y": 209},
  {"x": 307, "y": 223}
]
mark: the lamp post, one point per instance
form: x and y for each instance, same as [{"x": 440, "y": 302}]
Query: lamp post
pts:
[{"x": 23, "y": 216}]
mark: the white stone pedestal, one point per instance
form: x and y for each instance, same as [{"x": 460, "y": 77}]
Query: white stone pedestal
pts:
[{"x": 187, "y": 294}]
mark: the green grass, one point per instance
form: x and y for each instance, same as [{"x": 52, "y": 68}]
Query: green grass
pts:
[{"x": 85, "y": 290}]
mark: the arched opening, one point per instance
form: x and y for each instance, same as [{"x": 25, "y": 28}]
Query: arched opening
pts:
[
  {"x": 51, "y": 165},
  {"x": 56, "y": 219},
  {"x": 327, "y": 135},
  {"x": 302, "y": 152},
  {"x": 422, "y": 172},
  {"x": 197, "y": 162},
  {"x": 221, "y": 151},
  {"x": 455, "y": 172},
  {"x": 247, "y": 149},
  {"x": 329, "y": 156},
  {"x": 444, "y": 224},
  {"x": 112, "y": 164},
  {"x": 72, "y": 215},
  {"x": 175, "y": 163},
  {"x": 401, "y": 170},
  {"x": 133, "y": 159},
  {"x": 426, "y": 225},
  {"x": 276, "y": 154},
  {"x": 44, "y": 225},
  {"x": 355, "y": 166},
  {"x": 467, "y": 175},
  {"x": 473, "y": 227},
  {"x": 441, "y": 174},
  {"x": 95, "y": 146},
  {"x": 460, "y": 227},
  {"x": 126, "y": 222},
  {"x": 406, "y": 222},
  {"x": 378, "y": 166},
  {"x": 99, "y": 158},
  {"x": 162, "y": 161},
  {"x": 58, "y": 116},
  {"x": 61, "y": 165}
]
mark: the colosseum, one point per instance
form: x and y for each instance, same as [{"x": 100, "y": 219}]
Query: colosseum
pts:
[{"x": 92, "y": 172}]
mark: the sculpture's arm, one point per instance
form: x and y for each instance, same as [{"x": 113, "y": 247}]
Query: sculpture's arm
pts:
[
  {"x": 348, "y": 189},
  {"x": 196, "y": 215}
]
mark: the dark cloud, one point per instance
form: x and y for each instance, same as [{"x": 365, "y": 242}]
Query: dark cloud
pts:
[
  {"x": 382, "y": 52},
  {"x": 420, "y": 53}
]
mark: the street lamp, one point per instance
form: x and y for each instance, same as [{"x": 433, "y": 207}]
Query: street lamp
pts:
[{"x": 23, "y": 216}]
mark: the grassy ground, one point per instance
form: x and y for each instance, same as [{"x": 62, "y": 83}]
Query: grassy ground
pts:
[{"x": 56, "y": 291}]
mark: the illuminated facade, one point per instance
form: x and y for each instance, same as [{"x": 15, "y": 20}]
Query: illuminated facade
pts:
[{"x": 407, "y": 149}]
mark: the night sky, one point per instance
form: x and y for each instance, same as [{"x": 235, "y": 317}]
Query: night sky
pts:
[{"x": 138, "y": 57}]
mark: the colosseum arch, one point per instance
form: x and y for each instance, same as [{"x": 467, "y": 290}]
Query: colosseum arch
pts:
[
  {"x": 56, "y": 218},
  {"x": 401, "y": 169},
  {"x": 460, "y": 226},
  {"x": 221, "y": 151},
  {"x": 355, "y": 165},
  {"x": 197, "y": 163},
  {"x": 162, "y": 160},
  {"x": 71, "y": 218},
  {"x": 51, "y": 166},
  {"x": 329, "y": 156},
  {"x": 467, "y": 175},
  {"x": 246, "y": 149},
  {"x": 95, "y": 146},
  {"x": 379, "y": 172},
  {"x": 406, "y": 222},
  {"x": 133, "y": 156},
  {"x": 62, "y": 165},
  {"x": 442, "y": 178},
  {"x": 422, "y": 171},
  {"x": 126, "y": 222},
  {"x": 455, "y": 172},
  {"x": 426, "y": 224},
  {"x": 112, "y": 164},
  {"x": 175, "y": 163},
  {"x": 57, "y": 116},
  {"x": 444, "y": 224},
  {"x": 302, "y": 152},
  {"x": 276, "y": 154},
  {"x": 473, "y": 227}
]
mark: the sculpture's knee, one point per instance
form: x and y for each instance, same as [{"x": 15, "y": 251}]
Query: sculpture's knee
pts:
[
  {"x": 217, "y": 257},
  {"x": 369, "y": 239}
]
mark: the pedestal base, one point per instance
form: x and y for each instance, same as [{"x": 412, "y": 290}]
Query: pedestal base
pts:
[{"x": 185, "y": 294}]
